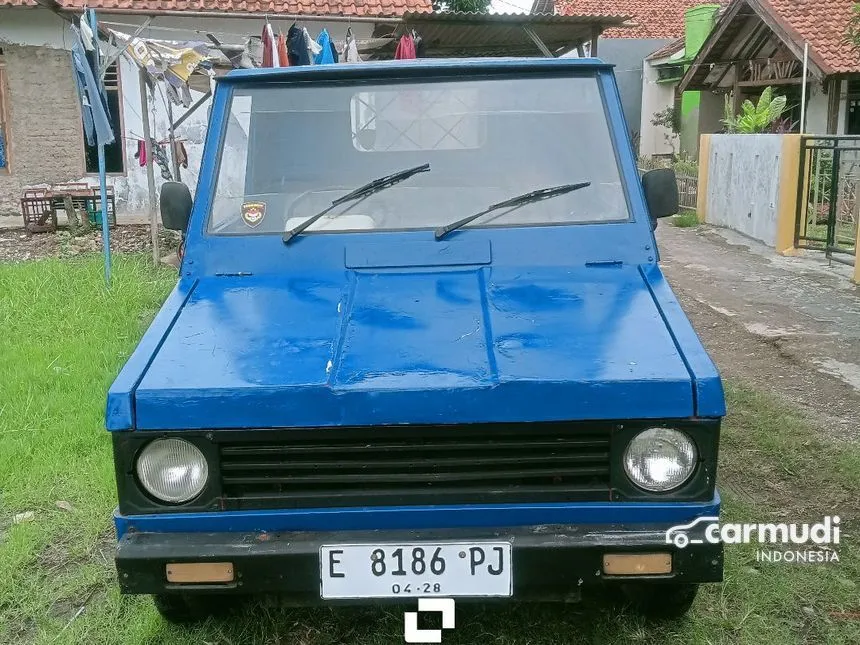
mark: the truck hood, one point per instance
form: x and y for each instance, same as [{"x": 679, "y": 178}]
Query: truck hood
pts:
[{"x": 440, "y": 345}]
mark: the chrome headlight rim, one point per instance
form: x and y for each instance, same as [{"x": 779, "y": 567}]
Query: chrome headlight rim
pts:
[
  {"x": 144, "y": 481},
  {"x": 673, "y": 436}
]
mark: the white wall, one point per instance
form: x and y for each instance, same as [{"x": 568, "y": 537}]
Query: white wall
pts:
[
  {"x": 656, "y": 97},
  {"x": 40, "y": 27},
  {"x": 743, "y": 183}
]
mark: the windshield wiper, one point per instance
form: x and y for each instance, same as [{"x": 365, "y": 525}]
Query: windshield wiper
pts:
[
  {"x": 363, "y": 191},
  {"x": 519, "y": 200}
]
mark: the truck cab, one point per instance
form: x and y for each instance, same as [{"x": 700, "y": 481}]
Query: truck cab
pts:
[{"x": 420, "y": 345}]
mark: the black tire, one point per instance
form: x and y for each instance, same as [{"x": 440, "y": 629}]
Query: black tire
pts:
[
  {"x": 661, "y": 601},
  {"x": 186, "y": 608}
]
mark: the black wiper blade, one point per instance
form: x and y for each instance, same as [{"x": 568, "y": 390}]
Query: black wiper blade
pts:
[
  {"x": 362, "y": 191},
  {"x": 519, "y": 200}
]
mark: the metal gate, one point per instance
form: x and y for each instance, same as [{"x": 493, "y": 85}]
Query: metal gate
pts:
[{"x": 828, "y": 196}]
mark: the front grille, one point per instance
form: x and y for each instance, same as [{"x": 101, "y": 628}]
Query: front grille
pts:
[{"x": 416, "y": 465}]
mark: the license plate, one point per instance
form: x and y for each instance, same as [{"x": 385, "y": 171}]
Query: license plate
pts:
[{"x": 449, "y": 569}]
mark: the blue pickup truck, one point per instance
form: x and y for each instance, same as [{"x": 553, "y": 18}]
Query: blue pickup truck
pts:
[{"x": 420, "y": 345}]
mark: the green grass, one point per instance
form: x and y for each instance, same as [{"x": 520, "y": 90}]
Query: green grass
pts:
[
  {"x": 64, "y": 338},
  {"x": 686, "y": 219}
]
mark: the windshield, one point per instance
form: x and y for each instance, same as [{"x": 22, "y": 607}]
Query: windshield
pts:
[{"x": 290, "y": 151}]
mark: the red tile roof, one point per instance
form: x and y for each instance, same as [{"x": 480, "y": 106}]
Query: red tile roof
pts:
[
  {"x": 822, "y": 24},
  {"x": 653, "y": 18},
  {"x": 304, "y": 7},
  {"x": 667, "y": 50}
]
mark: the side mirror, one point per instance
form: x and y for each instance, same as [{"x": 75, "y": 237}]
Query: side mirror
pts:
[
  {"x": 175, "y": 204},
  {"x": 661, "y": 193}
]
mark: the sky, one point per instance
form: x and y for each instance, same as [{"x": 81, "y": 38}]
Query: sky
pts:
[{"x": 511, "y": 6}]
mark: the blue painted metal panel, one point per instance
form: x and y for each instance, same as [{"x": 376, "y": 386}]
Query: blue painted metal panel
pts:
[
  {"x": 437, "y": 346},
  {"x": 420, "y": 517},
  {"x": 708, "y": 387},
  {"x": 473, "y": 67},
  {"x": 120, "y": 399},
  {"x": 417, "y": 254},
  {"x": 319, "y": 330}
]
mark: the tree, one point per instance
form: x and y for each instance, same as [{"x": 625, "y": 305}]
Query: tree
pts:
[
  {"x": 462, "y": 6},
  {"x": 764, "y": 116}
]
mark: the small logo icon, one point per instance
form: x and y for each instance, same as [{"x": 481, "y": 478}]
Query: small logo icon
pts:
[
  {"x": 677, "y": 535},
  {"x": 444, "y": 606},
  {"x": 253, "y": 213}
]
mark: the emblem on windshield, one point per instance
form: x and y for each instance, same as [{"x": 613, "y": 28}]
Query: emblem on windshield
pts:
[{"x": 253, "y": 213}]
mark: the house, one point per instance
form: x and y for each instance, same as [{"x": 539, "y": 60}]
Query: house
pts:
[
  {"x": 760, "y": 43},
  {"x": 653, "y": 24},
  {"x": 40, "y": 119},
  {"x": 671, "y": 120}
]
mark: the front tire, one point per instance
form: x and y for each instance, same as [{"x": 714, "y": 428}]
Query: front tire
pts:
[
  {"x": 180, "y": 608},
  {"x": 661, "y": 601}
]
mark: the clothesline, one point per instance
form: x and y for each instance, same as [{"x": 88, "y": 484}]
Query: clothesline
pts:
[{"x": 361, "y": 42}]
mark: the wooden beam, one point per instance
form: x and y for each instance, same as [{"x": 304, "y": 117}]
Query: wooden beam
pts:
[
  {"x": 537, "y": 41},
  {"x": 736, "y": 90},
  {"x": 722, "y": 24},
  {"x": 150, "y": 172},
  {"x": 834, "y": 94},
  {"x": 764, "y": 82},
  {"x": 595, "y": 35},
  {"x": 795, "y": 47}
]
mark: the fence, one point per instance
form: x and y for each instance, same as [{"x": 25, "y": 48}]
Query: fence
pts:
[
  {"x": 688, "y": 191},
  {"x": 688, "y": 185},
  {"x": 828, "y": 200}
]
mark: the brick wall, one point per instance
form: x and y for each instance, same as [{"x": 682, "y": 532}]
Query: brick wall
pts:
[{"x": 45, "y": 138}]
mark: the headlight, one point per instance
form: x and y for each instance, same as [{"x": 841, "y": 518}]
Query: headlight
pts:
[
  {"x": 660, "y": 459},
  {"x": 173, "y": 470}
]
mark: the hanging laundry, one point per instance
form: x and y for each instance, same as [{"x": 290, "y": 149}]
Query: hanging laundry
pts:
[
  {"x": 87, "y": 33},
  {"x": 268, "y": 51},
  {"x": 283, "y": 56},
  {"x": 313, "y": 48},
  {"x": 297, "y": 48},
  {"x": 179, "y": 94},
  {"x": 160, "y": 158},
  {"x": 405, "y": 48},
  {"x": 334, "y": 55},
  {"x": 140, "y": 155},
  {"x": 324, "y": 56},
  {"x": 171, "y": 62},
  {"x": 180, "y": 153},
  {"x": 97, "y": 125},
  {"x": 350, "y": 48},
  {"x": 420, "y": 45}
]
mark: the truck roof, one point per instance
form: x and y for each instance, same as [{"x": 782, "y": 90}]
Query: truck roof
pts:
[{"x": 418, "y": 67}]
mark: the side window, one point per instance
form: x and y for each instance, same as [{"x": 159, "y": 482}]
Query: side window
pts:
[
  {"x": 114, "y": 158},
  {"x": 4, "y": 117}
]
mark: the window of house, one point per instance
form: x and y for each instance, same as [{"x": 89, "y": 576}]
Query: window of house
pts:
[
  {"x": 114, "y": 158},
  {"x": 670, "y": 72},
  {"x": 852, "y": 112},
  {"x": 4, "y": 117}
]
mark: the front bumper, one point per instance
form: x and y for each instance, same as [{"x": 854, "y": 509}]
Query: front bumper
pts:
[{"x": 548, "y": 562}]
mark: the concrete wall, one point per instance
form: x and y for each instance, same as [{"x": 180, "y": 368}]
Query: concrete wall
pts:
[
  {"x": 748, "y": 182},
  {"x": 46, "y": 139},
  {"x": 656, "y": 97},
  {"x": 743, "y": 182}
]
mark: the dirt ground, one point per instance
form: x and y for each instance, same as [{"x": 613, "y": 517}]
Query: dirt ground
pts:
[
  {"x": 790, "y": 326},
  {"x": 17, "y": 246}
]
